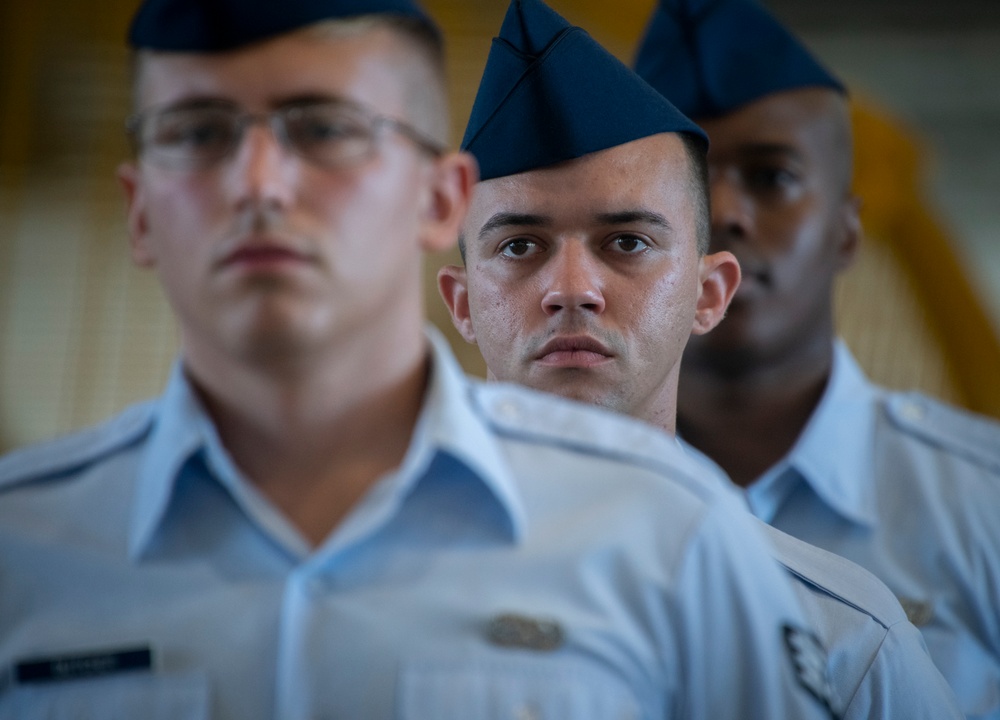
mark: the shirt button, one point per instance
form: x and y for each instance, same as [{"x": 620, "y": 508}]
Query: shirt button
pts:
[
  {"x": 912, "y": 411},
  {"x": 507, "y": 410},
  {"x": 315, "y": 587},
  {"x": 527, "y": 712}
]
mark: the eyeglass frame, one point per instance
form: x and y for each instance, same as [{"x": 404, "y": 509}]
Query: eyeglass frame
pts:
[{"x": 275, "y": 120}]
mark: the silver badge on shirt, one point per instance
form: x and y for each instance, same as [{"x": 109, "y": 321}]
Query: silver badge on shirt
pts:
[
  {"x": 918, "y": 612},
  {"x": 520, "y": 631}
]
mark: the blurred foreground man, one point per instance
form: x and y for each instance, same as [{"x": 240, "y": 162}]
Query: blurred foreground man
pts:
[
  {"x": 321, "y": 517},
  {"x": 585, "y": 274},
  {"x": 897, "y": 482}
]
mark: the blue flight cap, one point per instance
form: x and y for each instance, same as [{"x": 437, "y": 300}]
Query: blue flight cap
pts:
[
  {"x": 711, "y": 57},
  {"x": 218, "y": 25},
  {"x": 550, "y": 93}
]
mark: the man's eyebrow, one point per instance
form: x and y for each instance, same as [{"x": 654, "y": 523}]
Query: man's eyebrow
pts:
[
  {"x": 764, "y": 149},
  {"x": 200, "y": 100},
  {"x": 311, "y": 98},
  {"x": 197, "y": 101},
  {"x": 627, "y": 217},
  {"x": 509, "y": 219}
]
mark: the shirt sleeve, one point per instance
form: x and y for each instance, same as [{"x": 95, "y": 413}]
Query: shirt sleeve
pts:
[
  {"x": 745, "y": 648},
  {"x": 903, "y": 682}
]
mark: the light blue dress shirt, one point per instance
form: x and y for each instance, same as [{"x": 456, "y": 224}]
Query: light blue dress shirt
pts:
[
  {"x": 531, "y": 558},
  {"x": 908, "y": 488},
  {"x": 879, "y": 664}
]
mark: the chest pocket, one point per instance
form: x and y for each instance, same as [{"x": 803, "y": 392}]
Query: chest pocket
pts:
[
  {"x": 513, "y": 690},
  {"x": 121, "y": 697}
]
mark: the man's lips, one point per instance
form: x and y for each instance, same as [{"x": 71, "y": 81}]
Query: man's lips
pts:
[
  {"x": 263, "y": 255},
  {"x": 750, "y": 279},
  {"x": 755, "y": 270},
  {"x": 579, "y": 352}
]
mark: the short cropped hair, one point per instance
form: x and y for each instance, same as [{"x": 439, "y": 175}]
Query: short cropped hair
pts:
[
  {"x": 697, "y": 157},
  {"x": 425, "y": 86},
  {"x": 425, "y": 82}
]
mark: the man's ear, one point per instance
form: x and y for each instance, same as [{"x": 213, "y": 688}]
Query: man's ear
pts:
[
  {"x": 455, "y": 174},
  {"x": 454, "y": 288},
  {"x": 719, "y": 276},
  {"x": 850, "y": 241},
  {"x": 136, "y": 224}
]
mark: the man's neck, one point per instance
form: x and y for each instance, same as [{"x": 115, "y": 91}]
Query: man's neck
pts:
[
  {"x": 314, "y": 442},
  {"x": 748, "y": 421}
]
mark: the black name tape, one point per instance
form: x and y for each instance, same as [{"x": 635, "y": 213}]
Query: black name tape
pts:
[{"x": 82, "y": 665}]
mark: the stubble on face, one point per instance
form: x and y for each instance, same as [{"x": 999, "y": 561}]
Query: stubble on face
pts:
[{"x": 641, "y": 307}]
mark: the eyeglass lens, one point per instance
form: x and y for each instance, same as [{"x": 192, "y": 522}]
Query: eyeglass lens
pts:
[{"x": 326, "y": 133}]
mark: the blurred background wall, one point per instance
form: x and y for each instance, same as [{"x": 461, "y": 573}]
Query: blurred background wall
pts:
[{"x": 82, "y": 333}]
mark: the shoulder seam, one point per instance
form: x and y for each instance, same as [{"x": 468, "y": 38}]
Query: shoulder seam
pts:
[
  {"x": 72, "y": 451},
  {"x": 973, "y": 437},
  {"x": 645, "y": 447},
  {"x": 879, "y": 602}
]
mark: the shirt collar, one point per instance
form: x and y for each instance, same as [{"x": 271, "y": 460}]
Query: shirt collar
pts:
[
  {"x": 179, "y": 432},
  {"x": 834, "y": 454},
  {"x": 457, "y": 427},
  {"x": 448, "y": 422}
]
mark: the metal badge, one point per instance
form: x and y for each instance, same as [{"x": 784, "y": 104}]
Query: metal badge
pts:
[
  {"x": 918, "y": 612},
  {"x": 520, "y": 631}
]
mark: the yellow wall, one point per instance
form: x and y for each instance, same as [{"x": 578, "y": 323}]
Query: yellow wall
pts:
[{"x": 82, "y": 333}]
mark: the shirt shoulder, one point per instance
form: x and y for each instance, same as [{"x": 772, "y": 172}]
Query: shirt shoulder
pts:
[
  {"x": 836, "y": 576},
  {"x": 976, "y": 438},
  {"x": 76, "y": 451},
  {"x": 522, "y": 415}
]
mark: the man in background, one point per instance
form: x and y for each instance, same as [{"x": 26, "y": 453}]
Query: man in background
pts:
[
  {"x": 586, "y": 269},
  {"x": 899, "y": 483}
]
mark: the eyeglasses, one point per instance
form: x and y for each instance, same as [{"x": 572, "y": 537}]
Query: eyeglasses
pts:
[{"x": 330, "y": 133}]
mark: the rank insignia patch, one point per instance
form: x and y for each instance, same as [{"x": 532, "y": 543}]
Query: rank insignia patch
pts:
[{"x": 809, "y": 660}]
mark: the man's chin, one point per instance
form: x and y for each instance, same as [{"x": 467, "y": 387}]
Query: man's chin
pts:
[
  {"x": 727, "y": 353},
  {"x": 580, "y": 386},
  {"x": 277, "y": 339}
]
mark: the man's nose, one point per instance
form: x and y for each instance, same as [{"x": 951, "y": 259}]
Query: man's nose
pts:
[
  {"x": 732, "y": 208},
  {"x": 574, "y": 281},
  {"x": 262, "y": 169}
]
